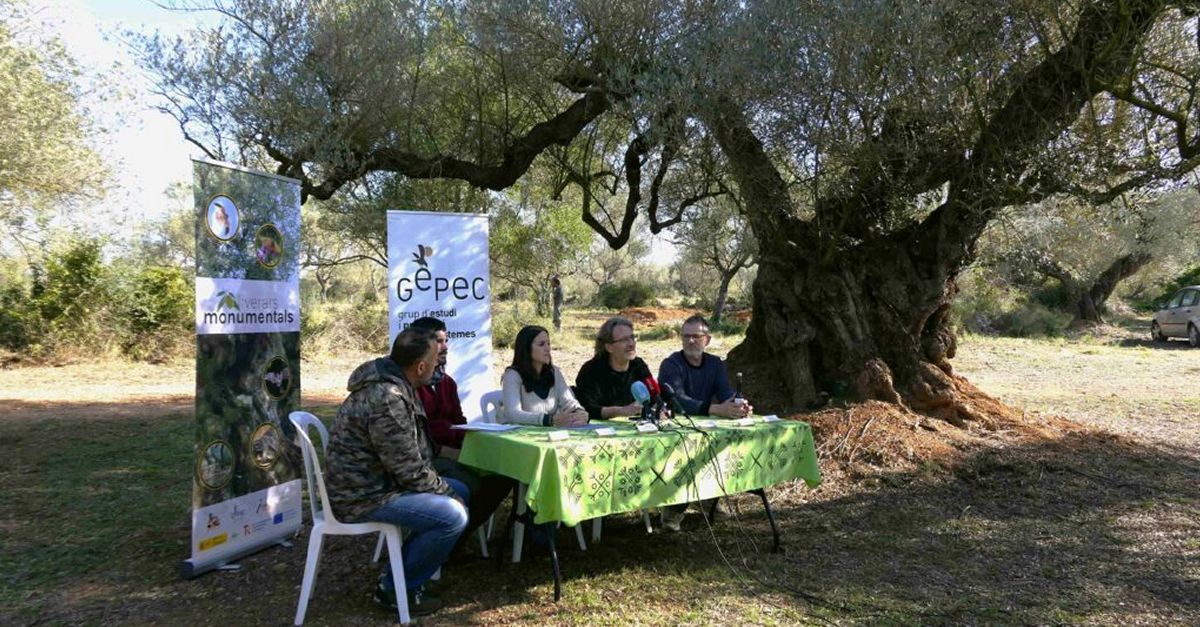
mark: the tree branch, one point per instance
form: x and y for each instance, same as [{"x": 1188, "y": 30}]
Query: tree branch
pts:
[{"x": 518, "y": 156}]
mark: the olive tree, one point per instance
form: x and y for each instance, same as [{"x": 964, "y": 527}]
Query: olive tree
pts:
[
  {"x": 1089, "y": 250},
  {"x": 871, "y": 143},
  {"x": 715, "y": 236}
]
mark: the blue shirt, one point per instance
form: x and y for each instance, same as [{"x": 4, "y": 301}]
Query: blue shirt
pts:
[{"x": 696, "y": 387}]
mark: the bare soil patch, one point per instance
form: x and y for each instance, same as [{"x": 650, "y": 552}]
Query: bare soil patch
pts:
[{"x": 658, "y": 315}]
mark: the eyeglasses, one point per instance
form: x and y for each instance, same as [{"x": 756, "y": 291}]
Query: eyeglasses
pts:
[
  {"x": 694, "y": 337},
  {"x": 630, "y": 339}
]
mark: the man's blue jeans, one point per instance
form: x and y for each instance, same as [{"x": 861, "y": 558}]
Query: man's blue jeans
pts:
[{"x": 435, "y": 523}]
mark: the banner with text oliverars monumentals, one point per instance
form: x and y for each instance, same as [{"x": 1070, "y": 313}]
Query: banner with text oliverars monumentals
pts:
[
  {"x": 246, "y": 470},
  {"x": 438, "y": 266}
]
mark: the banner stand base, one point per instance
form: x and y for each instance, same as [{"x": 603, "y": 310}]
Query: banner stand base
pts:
[{"x": 191, "y": 568}]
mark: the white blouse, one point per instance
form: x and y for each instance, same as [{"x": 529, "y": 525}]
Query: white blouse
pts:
[{"x": 523, "y": 407}]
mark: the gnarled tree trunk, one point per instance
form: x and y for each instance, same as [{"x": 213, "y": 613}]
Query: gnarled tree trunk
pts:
[
  {"x": 870, "y": 325},
  {"x": 1090, "y": 302}
]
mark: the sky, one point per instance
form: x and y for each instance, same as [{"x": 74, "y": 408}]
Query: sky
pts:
[{"x": 145, "y": 147}]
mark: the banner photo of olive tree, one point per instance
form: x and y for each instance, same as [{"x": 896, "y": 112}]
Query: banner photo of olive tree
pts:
[{"x": 246, "y": 492}]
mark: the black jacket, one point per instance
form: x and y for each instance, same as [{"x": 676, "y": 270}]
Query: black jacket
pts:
[{"x": 598, "y": 385}]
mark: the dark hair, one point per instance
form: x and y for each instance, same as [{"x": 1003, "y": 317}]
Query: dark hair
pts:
[
  {"x": 605, "y": 334},
  {"x": 697, "y": 319},
  {"x": 411, "y": 345},
  {"x": 523, "y": 359},
  {"x": 428, "y": 322}
]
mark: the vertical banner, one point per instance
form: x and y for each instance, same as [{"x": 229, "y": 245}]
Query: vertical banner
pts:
[
  {"x": 438, "y": 266},
  {"x": 246, "y": 470}
]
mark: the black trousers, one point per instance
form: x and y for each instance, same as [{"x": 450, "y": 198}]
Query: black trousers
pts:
[{"x": 487, "y": 492}]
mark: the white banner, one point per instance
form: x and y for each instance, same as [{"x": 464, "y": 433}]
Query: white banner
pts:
[
  {"x": 438, "y": 266},
  {"x": 225, "y": 306},
  {"x": 229, "y": 527}
]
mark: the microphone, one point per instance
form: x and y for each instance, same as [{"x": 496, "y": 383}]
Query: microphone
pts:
[
  {"x": 641, "y": 394},
  {"x": 653, "y": 386},
  {"x": 668, "y": 395}
]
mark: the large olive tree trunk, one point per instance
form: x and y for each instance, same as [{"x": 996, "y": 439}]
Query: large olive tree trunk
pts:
[{"x": 866, "y": 326}]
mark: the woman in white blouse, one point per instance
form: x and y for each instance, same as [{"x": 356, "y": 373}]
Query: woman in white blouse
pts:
[{"x": 534, "y": 391}]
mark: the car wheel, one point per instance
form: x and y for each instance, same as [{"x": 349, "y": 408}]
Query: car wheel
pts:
[
  {"x": 1156, "y": 333},
  {"x": 1193, "y": 336}
]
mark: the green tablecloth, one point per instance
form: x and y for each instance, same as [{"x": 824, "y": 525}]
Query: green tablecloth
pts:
[{"x": 588, "y": 475}]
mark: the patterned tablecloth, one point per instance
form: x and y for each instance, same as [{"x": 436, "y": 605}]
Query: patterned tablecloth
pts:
[{"x": 588, "y": 475}]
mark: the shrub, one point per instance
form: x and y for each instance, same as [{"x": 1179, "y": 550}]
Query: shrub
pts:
[
  {"x": 626, "y": 293},
  {"x": 1191, "y": 277},
  {"x": 657, "y": 332},
  {"x": 506, "y": 324},
  {"x": 162, "y": 298},
  {"x": 332, "y": 327},
  {"x": 989, "y": 306},
  {"x": 20, "y": 323},
  {"x": 159, "y": 313},
  {"x": 729, "y": 326},
  {"x": 1032, "y": 320}
]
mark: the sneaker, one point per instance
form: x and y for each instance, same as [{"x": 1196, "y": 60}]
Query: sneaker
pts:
[
  {"x": 672, "y": 517},
  {"x": 420, "y": 603},
  {"x": 385, "y": 596}
]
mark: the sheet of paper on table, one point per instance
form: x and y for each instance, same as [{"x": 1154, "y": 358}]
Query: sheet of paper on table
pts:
[{"x": 485, "y": 426}]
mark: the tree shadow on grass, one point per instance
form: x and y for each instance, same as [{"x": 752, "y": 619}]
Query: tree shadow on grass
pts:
[
  {"x": 1170, "y": 345},
  {"x": 1089, "y": 528}
]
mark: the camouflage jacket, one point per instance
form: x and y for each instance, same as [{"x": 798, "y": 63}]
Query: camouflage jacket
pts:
[{"x": 379, "y": 445}]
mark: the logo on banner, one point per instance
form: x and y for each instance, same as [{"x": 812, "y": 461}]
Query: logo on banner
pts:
[
  {"x": 247, "y": 306},
  {"x": 222, "y": 218},
  {"x": 423, "y": 251},
  {"x": 425, "y": 281},
  {"x": 226, "y": 301}
]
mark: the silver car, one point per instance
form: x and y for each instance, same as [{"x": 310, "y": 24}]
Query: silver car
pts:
[{"x": 1179, "y": 317}]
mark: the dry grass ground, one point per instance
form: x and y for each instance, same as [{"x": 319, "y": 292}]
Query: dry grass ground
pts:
[{"x": 1095, "y": 520}]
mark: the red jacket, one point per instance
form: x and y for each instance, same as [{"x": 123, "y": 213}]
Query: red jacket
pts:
[{"x": 443, "y": 410}]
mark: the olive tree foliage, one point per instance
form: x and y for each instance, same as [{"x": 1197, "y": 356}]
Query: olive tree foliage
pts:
[
  {"x": 1090, "y": 249},
  {"x": 535, "y": 237},
  {"x": 715, "y": 236},
  {"x": 170, "y": 240},
  {"x": 47, "y": 158},
  {"x": 605, "y": 264},
  {"x": 871, "y": 143}
]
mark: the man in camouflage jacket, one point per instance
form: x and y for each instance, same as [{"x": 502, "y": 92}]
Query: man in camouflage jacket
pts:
[{"x": 380, "y": 466}]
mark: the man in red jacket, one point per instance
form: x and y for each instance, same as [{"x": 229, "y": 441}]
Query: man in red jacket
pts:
[{"x": 444, "y": 410}]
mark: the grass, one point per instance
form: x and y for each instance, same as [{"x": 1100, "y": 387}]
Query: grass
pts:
[
  {"x": 1087, "y": 528},
  {"x": 84, "y": 497}
]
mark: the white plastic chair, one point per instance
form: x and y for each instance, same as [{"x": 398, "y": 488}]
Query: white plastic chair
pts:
[
  {"x": 325, "y": 523},
  {"x": 489, "y": 406}
]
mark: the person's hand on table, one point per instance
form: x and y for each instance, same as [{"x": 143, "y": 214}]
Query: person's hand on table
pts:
[
  {"x": 731, "y": 409},
  {"x": 570, "y": 417},
  {"x": 631, "y": 409}
]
